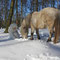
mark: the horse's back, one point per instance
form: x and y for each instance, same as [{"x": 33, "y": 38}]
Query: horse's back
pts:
[{"x": 44, "y": 17}]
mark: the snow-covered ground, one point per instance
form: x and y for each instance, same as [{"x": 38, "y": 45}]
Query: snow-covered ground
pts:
[{"x": 25, "y": 49}]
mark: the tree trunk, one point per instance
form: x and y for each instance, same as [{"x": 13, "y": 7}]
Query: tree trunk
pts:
[
  {"x": 5, "y": 12},
  {"x": 53, "y": 3},
  {"x": 21, "y": 12},
  {"x": 36, "y": 5},
  {"x": 47, "y": 3},
  {"x": 10, "y": 15},
  {"x": 42, "y": 4},
  {"x": 17, "y": 20},
  {"x": 58, "y": 4}
]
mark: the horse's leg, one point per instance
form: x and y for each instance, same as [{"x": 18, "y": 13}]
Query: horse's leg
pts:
[
  {"x": 50, "y": 33},
  {"x": 32, "y": 31},
  {"x": 56, "y": 37},
  {"x": 37, "y": 32},
  {"x": 31, "y": 36},
  {"x": 56, "y": 33}
]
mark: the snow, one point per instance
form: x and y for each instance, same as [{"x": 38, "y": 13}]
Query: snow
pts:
[
  {"x": 13, "y": 32},
  {"x": 42, "y": 57},
  {"x": 25, "y": 49}
]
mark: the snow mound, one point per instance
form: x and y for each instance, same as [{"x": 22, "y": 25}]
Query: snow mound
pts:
[
  {"x": 6, "y": 58},
  {"x": 41, "y": 57},
  {"x": 21, "y": 39}
]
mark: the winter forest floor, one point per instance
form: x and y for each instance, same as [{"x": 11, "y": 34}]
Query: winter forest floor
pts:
[{"x": 25, "y": 49}]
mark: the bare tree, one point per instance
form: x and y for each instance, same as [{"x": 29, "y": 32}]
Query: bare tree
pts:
[
  {"x": 10, "y": 15},
  {"x": 21, "y": 11},
  {"x": 6, "y": 11},
  {"x": 17, "y": 20},
  {"x": 36, "y": 5}
]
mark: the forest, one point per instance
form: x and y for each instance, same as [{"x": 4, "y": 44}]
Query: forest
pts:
[
  {"x": 16, "y": 10},
  {"x": 29, "y": 29}
]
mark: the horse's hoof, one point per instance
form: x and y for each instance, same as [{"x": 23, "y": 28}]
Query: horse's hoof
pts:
[
  {"x": 31, "y": 38},
  {"x": 55, "y": 42},
  {"x": 49, "y": 40},
  {"x": 39, "y": 38}
]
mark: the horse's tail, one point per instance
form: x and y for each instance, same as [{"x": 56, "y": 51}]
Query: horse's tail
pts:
[{"x": 57, "y": 29}]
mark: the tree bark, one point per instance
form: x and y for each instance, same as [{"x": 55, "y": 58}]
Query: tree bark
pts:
[
  {"x": 21, "y": 12},
  {"x": 17, "y": 20},
  {"x": 6, "y": 12},
  {"x": 10, "y": 15},
  {"x": 36, "y": 5}
]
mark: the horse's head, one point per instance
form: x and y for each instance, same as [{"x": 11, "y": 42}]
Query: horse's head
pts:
[{"x": 24, "y": 30}]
